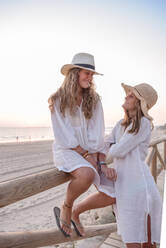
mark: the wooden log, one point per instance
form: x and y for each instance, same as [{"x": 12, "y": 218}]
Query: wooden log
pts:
[
  {"x": 160, "y": 158},
  {"x": 165, "y": 152},
  {"x": 93, "y": 242},
  {"x": 150, "y": 156},
  {"x": 157, "y": 141},
  {"x": 154, "y": 165},
  {"x": 159, "y": 171},
  {"x": 33, "y": 239},
  {"x": 23, "y": 187}
]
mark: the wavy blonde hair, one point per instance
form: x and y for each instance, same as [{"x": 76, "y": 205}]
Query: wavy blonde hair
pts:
[
  {"x": 135, "y": 120},
  {"x": 68, "y": 95}
]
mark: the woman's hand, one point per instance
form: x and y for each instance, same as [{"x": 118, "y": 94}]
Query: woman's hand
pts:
[
  {"x": 92, "y": 160},
  {"x": 110, "y": 173},
  {"x": 79, "y": 150}
]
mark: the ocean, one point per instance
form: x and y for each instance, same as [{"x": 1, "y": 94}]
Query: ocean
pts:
[{"x": 21, "y": 134}]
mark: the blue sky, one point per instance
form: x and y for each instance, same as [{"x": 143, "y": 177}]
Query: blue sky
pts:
[{"x": 127, "y": 39}]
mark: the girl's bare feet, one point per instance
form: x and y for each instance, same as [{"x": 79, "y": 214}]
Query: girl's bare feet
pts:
[
  {"x": 65, "y": 218},
  {"x": 77, "y": 224}
]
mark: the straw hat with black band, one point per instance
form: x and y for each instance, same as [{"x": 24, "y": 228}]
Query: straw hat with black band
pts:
[
  {"x": 146, "y": 94},
  {"x": 83, "y": 61}
]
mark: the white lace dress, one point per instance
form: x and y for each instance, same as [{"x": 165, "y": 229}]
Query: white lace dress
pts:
[
  {"x": 71, "y": 131},
  {"x": 135, "y": 189}
]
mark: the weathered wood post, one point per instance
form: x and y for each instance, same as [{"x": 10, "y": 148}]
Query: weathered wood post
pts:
[
  {"x": 165, "y": 152},
  {"x": 42, "y": 238},
  {"x": 154, "y": 165},
  {"x": 23, "y": 187}
]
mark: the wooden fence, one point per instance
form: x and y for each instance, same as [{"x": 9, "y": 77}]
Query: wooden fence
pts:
[{"x": 21, "y": 188}]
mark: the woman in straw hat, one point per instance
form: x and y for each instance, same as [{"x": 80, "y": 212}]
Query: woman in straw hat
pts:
[
  {"x": 78, "y": 126},
  {"x": 138, "y": 206}
]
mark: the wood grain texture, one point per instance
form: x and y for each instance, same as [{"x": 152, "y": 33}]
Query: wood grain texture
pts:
[
  {"x": 21, "y": 188},
  {"x": 33, "y": 239}
]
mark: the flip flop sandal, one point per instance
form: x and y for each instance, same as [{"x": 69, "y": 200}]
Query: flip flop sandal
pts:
[
  {"x": 58, "y": 221},
  {"x": 76, "y": 225}
]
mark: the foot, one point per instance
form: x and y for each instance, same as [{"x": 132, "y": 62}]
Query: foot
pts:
[
  {"x": 65, "y": 218},
  {"x": 77, "y": 224}
]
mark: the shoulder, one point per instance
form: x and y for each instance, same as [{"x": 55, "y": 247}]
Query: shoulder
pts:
[
  {"x": 98, "y": 102},
  {"x": 145, "y": 122},
  {"x": 56, "y": 105},
  {"x": 119, "y": 123},
  {"x": 117, "y": 127}
]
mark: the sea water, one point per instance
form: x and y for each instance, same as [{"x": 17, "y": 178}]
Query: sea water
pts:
[{"x": 20, "y": 134}]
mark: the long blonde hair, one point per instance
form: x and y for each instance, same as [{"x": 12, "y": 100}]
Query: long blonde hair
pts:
[
  {"x": 68, "y": 95},
  {"x": 135, "y": 120}
]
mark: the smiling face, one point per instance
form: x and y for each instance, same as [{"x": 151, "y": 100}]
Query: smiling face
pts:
[
  {"x": 130, "y": 103},
  {"x": 85, "y": 78}
]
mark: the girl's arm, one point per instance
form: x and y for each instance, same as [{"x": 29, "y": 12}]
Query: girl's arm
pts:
[
  {"x": 130, "y": 141},
  {"x": 63, "y": 131},
  {"x": 96, "y": 129}
]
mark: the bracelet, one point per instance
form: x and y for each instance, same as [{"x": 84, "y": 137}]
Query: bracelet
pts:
[
  {"x": 85, "y": 154},
  {"x": 102, "y": 163},
  {"x": 112, "y": 144}
]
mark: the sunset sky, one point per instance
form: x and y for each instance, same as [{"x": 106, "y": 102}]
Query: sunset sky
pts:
[{"x": 127, "y": 39}]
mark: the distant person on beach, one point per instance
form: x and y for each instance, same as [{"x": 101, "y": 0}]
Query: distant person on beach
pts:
[
  {"x": 78, "y": 126},
  {"x": 138, "y": 205}
]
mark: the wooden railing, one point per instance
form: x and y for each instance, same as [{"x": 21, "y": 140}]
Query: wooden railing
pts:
[
  {"x": 21, "y": 188},
  {"x": 154, "y": 155}
]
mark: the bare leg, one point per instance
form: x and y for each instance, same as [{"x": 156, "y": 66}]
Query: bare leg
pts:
[
  {"x": 96, "y": 200},
  {"x": 81, "y": 180}
]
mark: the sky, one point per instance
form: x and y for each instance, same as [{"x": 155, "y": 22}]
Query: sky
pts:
[{"x": 127, "y": 39}]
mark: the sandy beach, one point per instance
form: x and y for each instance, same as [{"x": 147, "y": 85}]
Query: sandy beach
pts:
[{"x": 36, "y": 212}]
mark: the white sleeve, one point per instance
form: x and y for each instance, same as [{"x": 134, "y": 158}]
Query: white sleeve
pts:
[
  {"x": 110, "y": 138},
  {"x": 96, "y": 129},
  {"x": 130, "y": 141},
  {"x": 63, "y": 131}
]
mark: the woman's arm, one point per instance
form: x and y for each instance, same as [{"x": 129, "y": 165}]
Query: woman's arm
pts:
[
  {"x": 96, "y": 129},
  {"x": 110, "y": 173},
  {"x": 129, "y": 141},
  {"x": 63, "y": 131}
]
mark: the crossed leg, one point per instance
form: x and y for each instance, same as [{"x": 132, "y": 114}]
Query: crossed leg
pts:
[
  {"x": 82, "y": 179},
  {"x": 93, "y": 201}
]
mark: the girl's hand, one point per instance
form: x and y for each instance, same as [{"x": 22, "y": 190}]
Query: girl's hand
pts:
[
  {"x": 110, "y": 173},
  {"x": 91, "y": 159}
]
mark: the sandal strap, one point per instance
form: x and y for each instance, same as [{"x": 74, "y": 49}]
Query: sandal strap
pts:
[
  {"x": 66, "y": 205},
  {"x": 65, "y": 223},
  {"x": 79, "y": 224}
]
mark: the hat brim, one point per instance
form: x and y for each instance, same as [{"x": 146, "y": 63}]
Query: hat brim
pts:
[
  {"x": 144, "y": 108},
  {"x": 67, "y": 67}
]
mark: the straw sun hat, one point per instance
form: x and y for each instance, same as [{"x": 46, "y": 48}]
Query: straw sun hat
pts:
[
  {"x": 146, "y": 94},
  {"x": 82, "y": 61}
]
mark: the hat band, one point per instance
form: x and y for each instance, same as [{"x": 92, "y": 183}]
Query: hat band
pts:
[
  {"x": 87, "y": 66},
  {"x": 138, "y": 92}
]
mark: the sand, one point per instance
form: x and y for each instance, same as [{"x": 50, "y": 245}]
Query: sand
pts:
[{"x": 36, "y": 212}]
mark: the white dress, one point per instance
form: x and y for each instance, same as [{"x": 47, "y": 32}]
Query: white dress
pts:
[
  {"x": 71, "y": 131},
  {"x": 135, "y": 189}
]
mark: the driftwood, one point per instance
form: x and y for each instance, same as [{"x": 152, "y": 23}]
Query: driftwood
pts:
[
  {"x": 150, "y": 156},
  {"x": 23, "y": 187},
  {"x": 154, "y": 165},
  {"x": 33, "y": 239}
]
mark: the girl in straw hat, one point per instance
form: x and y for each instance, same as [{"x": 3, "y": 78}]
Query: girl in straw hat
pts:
[
  {"x": 138, "y": 206},
  {"x": 78, "y": 126}
]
